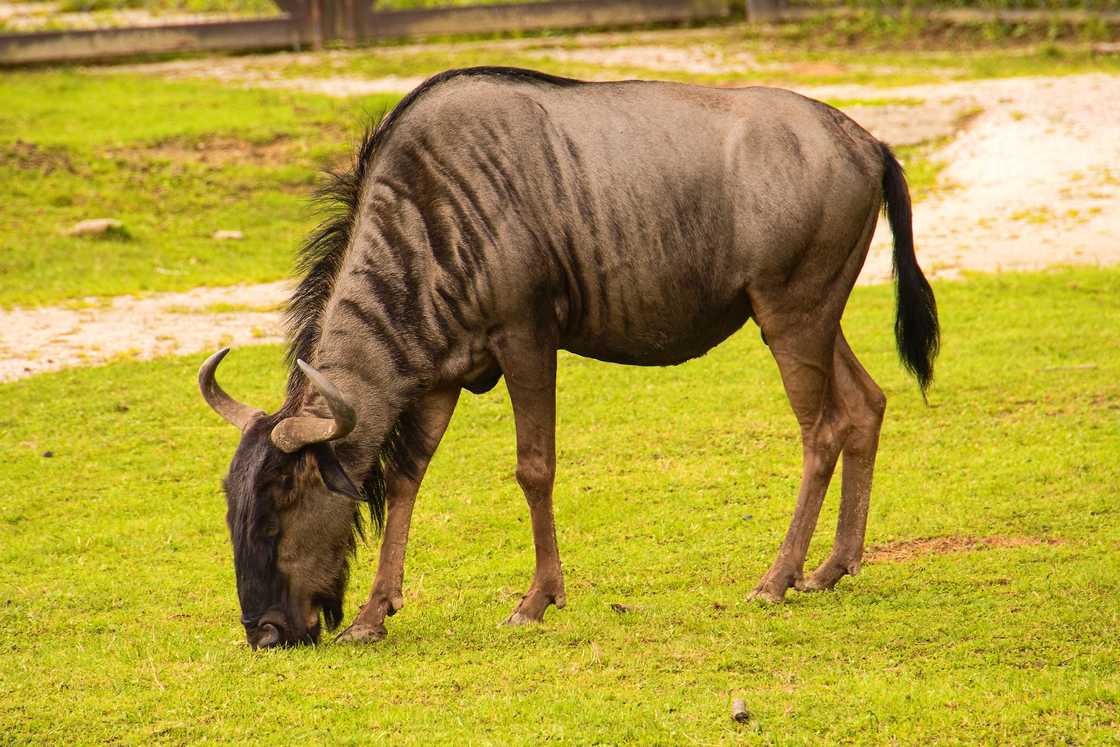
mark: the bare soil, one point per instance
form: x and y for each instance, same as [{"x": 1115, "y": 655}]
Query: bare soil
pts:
[
  {"x": 32, "y": 157},
  {"x": 1031, "y": 182},
  {"x": 214, "y": 151},
  {"x": 904, "y": 550},
  {"x": 50, "y": 338}
]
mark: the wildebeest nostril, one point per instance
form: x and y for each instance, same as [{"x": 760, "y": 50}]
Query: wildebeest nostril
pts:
[{"x": 269, "y": 636}]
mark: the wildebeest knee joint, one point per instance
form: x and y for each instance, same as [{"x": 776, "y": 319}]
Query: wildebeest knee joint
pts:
[{"x": 534, "y": 477}]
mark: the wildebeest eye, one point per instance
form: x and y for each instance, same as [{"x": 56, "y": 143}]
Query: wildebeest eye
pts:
[{"x": 271, "y": 527}]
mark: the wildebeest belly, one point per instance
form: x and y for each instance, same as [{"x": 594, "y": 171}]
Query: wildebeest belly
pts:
[{"x": 662, "y": 331}]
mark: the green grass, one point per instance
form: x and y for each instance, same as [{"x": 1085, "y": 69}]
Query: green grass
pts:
[
  {"x": 175, "y": 161},
  {"x": 862, "y": 23},
  {"x": 675, "y": 486},
  {"x": 241, "y": 7},
  {"x": 990, "y": 4}
]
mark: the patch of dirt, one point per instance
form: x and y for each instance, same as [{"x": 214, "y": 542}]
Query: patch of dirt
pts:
[
  {"x": 268, "y": 71},
  {"x": 904, "y": 550},
  {"x": 1033, "y": 179},
  {"x": 32, "y": 157},
  {"x": 51, "y": 338},
  {"x": 215, "y": 150},
  {"x": 911, "y": 124}
]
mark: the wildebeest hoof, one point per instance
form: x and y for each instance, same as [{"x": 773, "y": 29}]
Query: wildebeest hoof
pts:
[
  {"x": 822, "y": 579},
  {"x": 772, "y": 588},
  {"x": 534, "y": 603},
  {"x": 517, "y": 618},
  {"x": 361, "y": 633},
  {"x": 827, "y": 575},
  {"x": 767, "y": 596}
]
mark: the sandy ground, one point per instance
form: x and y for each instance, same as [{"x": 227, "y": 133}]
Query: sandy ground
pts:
[
  {"x": 1032, "y": 180},
  {"x": 48, "y": 339}
]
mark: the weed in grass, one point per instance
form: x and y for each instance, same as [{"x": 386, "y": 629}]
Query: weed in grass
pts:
[
  {"x": 923, "y": 171},
  {"x": 1036, "y": 216}
]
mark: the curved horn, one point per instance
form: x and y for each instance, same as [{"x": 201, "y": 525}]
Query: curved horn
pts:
[
  {"x": 233, "y": 411},
  {"x": 292, "y": 434}
]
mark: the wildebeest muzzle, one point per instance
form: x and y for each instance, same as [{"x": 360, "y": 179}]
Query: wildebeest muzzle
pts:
[{"x": 275, "y": 629}]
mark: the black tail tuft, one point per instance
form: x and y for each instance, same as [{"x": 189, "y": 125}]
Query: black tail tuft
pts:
[{"x": 916, "y": 329}]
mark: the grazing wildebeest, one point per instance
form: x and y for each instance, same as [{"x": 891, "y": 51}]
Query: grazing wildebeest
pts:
[{"x": 498, "y": 215}]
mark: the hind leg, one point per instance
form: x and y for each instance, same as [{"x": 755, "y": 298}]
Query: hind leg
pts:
[
  {"x": 806, "y": 363},
  {"x": 864, "y": 404},
  {"x": 800, "y": 317}
]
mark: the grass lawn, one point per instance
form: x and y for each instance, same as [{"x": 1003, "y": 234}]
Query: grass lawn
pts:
[
  {"x": 675, "y": 487},
  {"x": 76, "y": 146}
]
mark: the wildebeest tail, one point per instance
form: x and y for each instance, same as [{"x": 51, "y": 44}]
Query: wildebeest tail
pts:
[{"x": 916, "y": 329}]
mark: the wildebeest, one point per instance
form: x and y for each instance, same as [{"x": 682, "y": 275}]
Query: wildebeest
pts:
[{"x": 498, "y": 215}]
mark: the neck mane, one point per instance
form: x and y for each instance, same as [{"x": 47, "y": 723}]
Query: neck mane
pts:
[{"x": 319, "y": 262}]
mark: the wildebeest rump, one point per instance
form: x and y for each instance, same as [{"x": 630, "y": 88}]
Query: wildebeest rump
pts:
[{"x": 498, "y": 215}]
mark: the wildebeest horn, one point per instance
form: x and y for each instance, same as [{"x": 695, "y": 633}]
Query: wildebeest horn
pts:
[
  {"x": 292, "y": 434},
  {"x": 233, "y": 411}
]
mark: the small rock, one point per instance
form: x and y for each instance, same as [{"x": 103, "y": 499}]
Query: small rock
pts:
[
  {"x": 96, "y": 227},
  {"x": 228, "y": 235},
  {"x": 48, "y": 454},
  {"x": 739, "y": 712}
]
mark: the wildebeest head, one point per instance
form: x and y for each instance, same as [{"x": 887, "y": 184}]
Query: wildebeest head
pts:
[{"x": 292, "y": 513}]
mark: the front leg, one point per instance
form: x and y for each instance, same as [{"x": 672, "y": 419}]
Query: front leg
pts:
[
  {"x": 530, "y": 373},
  {"x": 386, "y": 598}
]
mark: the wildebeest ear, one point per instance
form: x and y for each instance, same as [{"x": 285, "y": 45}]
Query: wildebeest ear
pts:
[{"x": 332, "y": 473}]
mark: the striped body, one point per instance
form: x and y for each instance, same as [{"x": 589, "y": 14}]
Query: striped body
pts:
[{"x": 627, "y": 219}]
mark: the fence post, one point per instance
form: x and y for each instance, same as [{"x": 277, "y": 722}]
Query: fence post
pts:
[
  {"x": 313, "y": 23},
  {"x": 765, "y": 10},
  {"x": 363, "y": 12}
]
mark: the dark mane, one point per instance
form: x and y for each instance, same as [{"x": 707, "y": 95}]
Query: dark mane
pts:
[{"x": 321, "y": 256}]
